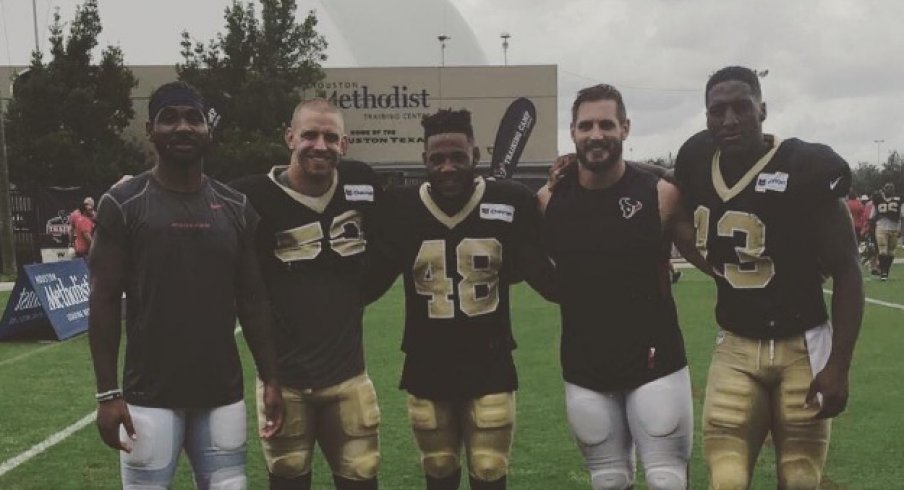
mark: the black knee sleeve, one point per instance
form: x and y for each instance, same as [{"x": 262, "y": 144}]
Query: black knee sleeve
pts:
[
  {"x": 487, "y": 485},
  {"x": 302, "y": 482},
  {"x": 450, "y": 482},
  {"x": 346, "y": 484}
]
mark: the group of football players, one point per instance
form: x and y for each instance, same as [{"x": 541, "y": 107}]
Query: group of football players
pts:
[{"x": 298, "y": 253}]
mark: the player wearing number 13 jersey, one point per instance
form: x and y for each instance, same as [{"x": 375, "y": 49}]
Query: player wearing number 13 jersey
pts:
[
  {"x": 459, "y": 242},
  {"x": 771, "y": 217}
]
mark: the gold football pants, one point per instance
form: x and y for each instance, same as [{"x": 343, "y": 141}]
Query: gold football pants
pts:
[
  {"x": 483, "y": 425},
  {"x": 342, "y": 418},
  {"x": 756, "y": 387},
  {"x": 886, "y": 241}
]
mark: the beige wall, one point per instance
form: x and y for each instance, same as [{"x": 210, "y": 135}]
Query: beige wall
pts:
[{"x": 391, "y": 132}]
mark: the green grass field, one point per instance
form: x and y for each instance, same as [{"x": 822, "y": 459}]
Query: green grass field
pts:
[{"x": 48, "y": 386}]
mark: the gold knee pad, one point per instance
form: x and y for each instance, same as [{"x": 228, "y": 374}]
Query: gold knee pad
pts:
[
  {"x": 735, "y": 415},
  {"x": 359, "y": 444},
  {"x": 437, "y": 435},
  {"x": 489, "y": 435},
  {"x": 801, "y": 441},
  {"x": 288, "y": 453}
]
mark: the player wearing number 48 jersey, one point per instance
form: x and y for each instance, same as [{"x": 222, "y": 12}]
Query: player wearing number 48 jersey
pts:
[
  {"x": 761, "y": 203},
  {"x": 460, "y": 241}
]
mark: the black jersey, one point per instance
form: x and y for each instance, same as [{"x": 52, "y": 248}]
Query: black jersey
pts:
[
  {"x": 619, "y": 325},
  {"x": 312, "y": 254},
  {"x": 182, "y": 251},
  {"x": 758, "y": 228},
  {"x": 457, "y": 271},
  {"x": 888, "y": 207}
]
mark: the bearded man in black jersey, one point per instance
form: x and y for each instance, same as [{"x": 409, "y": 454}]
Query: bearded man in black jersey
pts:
[
  {"x": 780, "y": 365},
  {"x": 460, "y": 241},
  {"x": 311, "y": 245},
  {"x": 608, "y": 227}
]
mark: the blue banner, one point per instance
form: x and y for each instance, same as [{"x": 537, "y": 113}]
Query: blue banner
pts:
[{"x": 56, "y": 292}]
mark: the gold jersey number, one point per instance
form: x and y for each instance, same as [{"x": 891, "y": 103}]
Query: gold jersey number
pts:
[
  {"x": 478, "y": 261},
  {"x": 753, "y": 270},
  {"x": 304, "y": 242}
]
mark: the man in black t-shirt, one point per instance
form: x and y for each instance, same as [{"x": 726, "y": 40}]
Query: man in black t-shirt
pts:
[
  {"x": 180, "y": 245},
  {"x": 780, "y": 366},
  {"x": 316, "y": 214},
  {"x": 608, "y": 227},
  {"x": 460, "y": 241}
]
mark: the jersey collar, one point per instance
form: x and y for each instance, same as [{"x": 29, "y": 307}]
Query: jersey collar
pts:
[
  {"x": 317, "y": 204},
  {"x": 454, "y": 220},
  {"x": 728, "y": 193}
]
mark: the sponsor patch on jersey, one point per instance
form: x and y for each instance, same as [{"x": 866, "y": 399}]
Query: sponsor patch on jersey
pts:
[
  {"x": 501, "y": 212},
  {"x": 777, "y": 182},
  {"x": 359, "y": 192}
]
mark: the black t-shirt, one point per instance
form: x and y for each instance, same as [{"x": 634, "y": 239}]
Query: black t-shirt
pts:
[
  {"x": 758, "y": 226},
  {"x": 457, "y": 272},
  {"x": 311, "y": 252},
  {"x": 183, "y": 253},
  {"x": 619, "y": 324}
]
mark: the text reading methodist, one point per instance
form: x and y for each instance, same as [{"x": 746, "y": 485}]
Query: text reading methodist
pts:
[{"x": 363, "y": 98}]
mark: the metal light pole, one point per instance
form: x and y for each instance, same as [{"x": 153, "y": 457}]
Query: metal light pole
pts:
[
  {"x": 442, "y": 48},
  {"x": 34, "y": 16},
  {"x": 505, "y": 44},
  {"x": 878, "y": 150}
]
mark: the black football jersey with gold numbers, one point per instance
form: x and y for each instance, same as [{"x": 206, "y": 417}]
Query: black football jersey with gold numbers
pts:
[
  {"x": 759, "y": 230},
  {"x": 457, "y": 271},
  {"x": 311, "y": 252}
]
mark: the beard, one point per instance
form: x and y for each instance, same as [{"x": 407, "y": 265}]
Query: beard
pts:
[
  {"x": 184, "y": 152},
  {"x": 612, "y": 149},
  {"x": 317, "y": 163}
]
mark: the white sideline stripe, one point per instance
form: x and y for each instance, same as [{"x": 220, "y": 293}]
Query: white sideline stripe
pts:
[
  {"x": 28, "y": 354},
  {"x": 46, "y": 444},
  {"x": 874, "y": 301}
]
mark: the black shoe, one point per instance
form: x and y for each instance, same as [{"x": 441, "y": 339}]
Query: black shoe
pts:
[
  {"x": 675, "y": 276},
  {"x": 875, "y": 272},
  {"x": 883, "y": 277}
]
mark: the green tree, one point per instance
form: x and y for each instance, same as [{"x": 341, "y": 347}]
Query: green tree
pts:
[
  {"x": 66, "y": 116},
  {"x": 253, "y": 75}
]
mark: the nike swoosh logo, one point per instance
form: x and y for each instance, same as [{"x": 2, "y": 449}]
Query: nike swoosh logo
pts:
[{"x": 833, "y": 183}]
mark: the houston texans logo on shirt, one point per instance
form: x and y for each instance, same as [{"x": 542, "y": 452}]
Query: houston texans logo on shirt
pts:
[{"x": 629, "y": 207}]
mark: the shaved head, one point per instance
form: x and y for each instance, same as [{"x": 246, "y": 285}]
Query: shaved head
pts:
[{"x": 317, "y": 104}]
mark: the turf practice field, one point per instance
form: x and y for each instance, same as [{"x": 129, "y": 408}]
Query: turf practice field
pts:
[{"x": 49, "y": 387}]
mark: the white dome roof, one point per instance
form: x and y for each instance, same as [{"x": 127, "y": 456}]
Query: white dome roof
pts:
[{"x": 394, "y": 33}]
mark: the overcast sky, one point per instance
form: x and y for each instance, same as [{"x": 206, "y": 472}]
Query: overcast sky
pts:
[{"x": 836, "y": 74}]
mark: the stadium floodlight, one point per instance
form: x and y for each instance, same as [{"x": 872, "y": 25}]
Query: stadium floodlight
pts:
[
  {"x": 878, "y": 150},
  {"x": 505, "y": 44},
  {"x": 442, "y": 48}
]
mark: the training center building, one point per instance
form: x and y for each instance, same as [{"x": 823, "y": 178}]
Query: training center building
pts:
[{"x": 382, "y": 108}]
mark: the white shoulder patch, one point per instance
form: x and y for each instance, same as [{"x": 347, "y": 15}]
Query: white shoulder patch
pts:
[
  {"x": 361, "y": 192},
  {"x": 501, "y": 212},
  {"x": 777, "y": 182}
]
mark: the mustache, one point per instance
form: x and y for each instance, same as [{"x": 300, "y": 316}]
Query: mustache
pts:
[{"x": 603, "y": 144}]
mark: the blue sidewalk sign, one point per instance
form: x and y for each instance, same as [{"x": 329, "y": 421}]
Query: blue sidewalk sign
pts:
[{"x": 48, "y": 301}]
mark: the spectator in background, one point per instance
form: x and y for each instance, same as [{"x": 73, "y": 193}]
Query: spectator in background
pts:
[
  {"x": 857, "y": 215},
  {"x": 77, "y": 214},
  {"x": 81, "y": 226}
]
